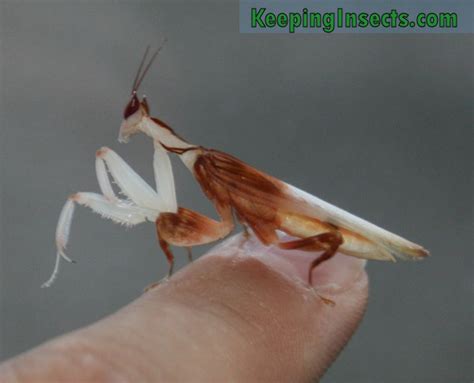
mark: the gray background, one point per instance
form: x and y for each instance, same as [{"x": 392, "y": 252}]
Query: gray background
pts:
[{"x": 379, "y": 125}]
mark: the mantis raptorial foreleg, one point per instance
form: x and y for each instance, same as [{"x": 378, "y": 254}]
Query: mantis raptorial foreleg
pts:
[
  {"x": 144, "y": 203},
  {"x": 107, "y": 205}
]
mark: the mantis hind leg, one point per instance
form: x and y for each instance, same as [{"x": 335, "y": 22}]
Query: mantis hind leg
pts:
[
  {"x": 329, "y": 242},
  {"x": 327, "y": 239}
]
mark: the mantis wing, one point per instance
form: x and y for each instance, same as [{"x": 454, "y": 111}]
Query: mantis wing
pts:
[
  {"x": 257, "y": 197},
  {"x": 397, "y": 246}
]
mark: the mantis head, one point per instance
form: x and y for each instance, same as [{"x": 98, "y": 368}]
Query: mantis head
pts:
[
  {"x": 133, "y": 116},
  {"x": 136, "y": 118},
  {"x": 136, "y": 112}
]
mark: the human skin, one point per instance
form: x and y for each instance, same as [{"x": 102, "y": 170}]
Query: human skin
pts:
[{"x": 241, "y": 313}]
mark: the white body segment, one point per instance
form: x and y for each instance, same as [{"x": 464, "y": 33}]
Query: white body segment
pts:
[
  {"x": 164, "y": 179},
  {"x": 390, "y": 243}
]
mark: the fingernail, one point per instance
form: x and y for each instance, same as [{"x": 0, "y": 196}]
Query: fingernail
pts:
[{"x": 334, "y": 275}]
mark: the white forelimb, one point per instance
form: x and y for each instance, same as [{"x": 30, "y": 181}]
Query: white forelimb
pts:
[{"x": 144, "y": 203}]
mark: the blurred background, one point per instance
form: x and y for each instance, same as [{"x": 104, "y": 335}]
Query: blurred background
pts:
[{"x": 380, "y": 125}]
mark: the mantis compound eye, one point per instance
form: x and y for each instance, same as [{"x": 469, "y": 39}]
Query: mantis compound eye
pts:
[{"x": 132, "y": 106}]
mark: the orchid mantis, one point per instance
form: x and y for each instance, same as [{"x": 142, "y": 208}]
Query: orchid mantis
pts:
[
  {"x": 264, "y": 203},
  {"x": 260, "y": 202}
]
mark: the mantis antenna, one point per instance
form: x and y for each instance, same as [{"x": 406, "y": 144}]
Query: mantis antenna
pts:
[
  {"x": 139, "y": 77},
  {"x": 134, "y": 87}
]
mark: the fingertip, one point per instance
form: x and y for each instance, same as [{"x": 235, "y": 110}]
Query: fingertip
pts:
[
  {"x": 243, "y": 312},
  {"x": 263, "y": 293}
]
